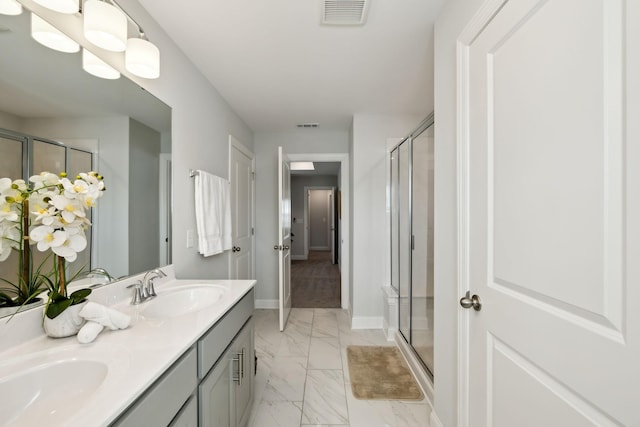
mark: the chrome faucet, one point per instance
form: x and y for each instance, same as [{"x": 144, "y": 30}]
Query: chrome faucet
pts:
[
  {"x": 148, "y": 290},
  {"x": 137, "y": 297},
  {"x": 107, "y": 278}
]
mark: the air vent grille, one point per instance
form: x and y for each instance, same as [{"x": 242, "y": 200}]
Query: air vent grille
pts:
[
  {"x": 308, "y": 125},
  {"x": 344, "y": 12}
]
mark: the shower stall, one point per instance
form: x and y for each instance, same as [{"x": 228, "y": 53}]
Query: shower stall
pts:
[{"x": 411, "y": 190}]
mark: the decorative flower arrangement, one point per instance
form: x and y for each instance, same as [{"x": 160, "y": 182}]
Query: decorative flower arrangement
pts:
[{"x": 50, "y": 212}]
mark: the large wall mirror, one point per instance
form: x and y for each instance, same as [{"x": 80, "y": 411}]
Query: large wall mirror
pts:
[{"x": 46, "y": 94}]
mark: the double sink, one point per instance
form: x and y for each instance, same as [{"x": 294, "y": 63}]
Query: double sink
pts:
[{"x": 61, "y": 378}]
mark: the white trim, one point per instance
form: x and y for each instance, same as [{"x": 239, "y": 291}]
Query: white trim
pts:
[
  {"x": 235, "y": 143},
  {"x": 471, "y": 31},
  {"x": 165, "y": 165},
  {"x": 267, "y": 304},
  {"x": 320, "y": 248},
  {"x": 345, "y": 188},
  {"x": 368, "y": 322},
  {"x": 416, "y": 368},
  {"x": 299, "y": 257}
]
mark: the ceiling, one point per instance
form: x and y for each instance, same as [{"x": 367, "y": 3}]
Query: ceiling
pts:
[{"x": 277, "y": 66}]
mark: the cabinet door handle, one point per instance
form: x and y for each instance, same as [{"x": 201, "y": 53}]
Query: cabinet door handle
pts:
[
  {"x": 242, "y": 364},
  {"x": 237, "y": 375}
]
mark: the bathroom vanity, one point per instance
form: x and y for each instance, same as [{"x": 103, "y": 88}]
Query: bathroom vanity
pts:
[{"x": 186, "y": 360}]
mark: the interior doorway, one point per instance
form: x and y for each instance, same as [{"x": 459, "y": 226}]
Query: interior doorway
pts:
[{"x": 315, "y": 230}]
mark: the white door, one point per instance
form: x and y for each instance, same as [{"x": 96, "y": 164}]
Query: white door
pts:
[
  {"x": 241, "y": 176},
  {"x": 284, "y": 237},
  {"x": 553, "y": 131}
]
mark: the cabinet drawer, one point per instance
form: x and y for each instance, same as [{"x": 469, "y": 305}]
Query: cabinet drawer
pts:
[
  {"x": 162, "y": 401},
  {"x": 213, "y": 343}
]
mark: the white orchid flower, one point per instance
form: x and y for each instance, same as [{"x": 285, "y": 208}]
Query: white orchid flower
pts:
[
  {"x": 69, "y": 208},
  {"x": 9, "y": 236},
  {"x": 44, "y": 179},
  {"x": 47, "y": 237},
  {"x": 72, "y": 245},
  {"x": 8, "y": 212}
]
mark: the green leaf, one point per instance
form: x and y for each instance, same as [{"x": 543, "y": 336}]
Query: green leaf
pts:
[
  {"x": 55, "y": 308},
  {"x": 79, "y": 295}
]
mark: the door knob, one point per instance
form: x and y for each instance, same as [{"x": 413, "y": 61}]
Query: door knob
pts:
[
  {"x": 469, "y": 301},
  {"x": 235, "y": 249},
  {"x": 277, "y": 247},
  {"x": 286, "y": 247}
]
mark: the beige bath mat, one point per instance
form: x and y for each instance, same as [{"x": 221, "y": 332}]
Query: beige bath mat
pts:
[{"x": 381, "y": 373}]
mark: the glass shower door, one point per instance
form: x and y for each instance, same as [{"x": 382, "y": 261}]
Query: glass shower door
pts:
[{"x": 422, "y": 254}]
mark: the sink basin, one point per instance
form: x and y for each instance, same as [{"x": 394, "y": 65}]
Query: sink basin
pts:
[
  {"x": 49, "y": 394},
  {"x": 182, "y": 300}
]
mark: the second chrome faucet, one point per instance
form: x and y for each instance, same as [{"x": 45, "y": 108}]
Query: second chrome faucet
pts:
[{"x": 144, "y": 290}]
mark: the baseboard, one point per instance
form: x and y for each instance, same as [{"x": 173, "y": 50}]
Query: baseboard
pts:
[
  {"x": 299, "y": 257},
  {"x": 367, "y": 322},
  {"x": 319, "y": 248},
  {"x": 435, "y": 421},
  {"x": 267, "y": 303}
]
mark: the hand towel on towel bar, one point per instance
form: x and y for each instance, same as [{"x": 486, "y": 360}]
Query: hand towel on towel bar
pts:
[{"x": 213, "y": 213}]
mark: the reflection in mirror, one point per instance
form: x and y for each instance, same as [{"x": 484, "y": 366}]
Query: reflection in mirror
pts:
[{"x": 46, "y": 93}]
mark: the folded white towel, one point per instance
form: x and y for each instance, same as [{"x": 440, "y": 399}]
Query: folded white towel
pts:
[
  {"x": 89, "y": 332},
  {"x": 213, "y": 213},
  {"x": 105, "y": 316}
]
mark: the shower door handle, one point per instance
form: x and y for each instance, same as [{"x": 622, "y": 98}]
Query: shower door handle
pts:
[{"x": 469, "y": 301}]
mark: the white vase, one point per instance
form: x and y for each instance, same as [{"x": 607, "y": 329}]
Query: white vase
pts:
[{"x": 66, "y": 324}]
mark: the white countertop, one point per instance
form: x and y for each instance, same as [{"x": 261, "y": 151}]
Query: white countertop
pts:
[{"x": 135, "y": 357}]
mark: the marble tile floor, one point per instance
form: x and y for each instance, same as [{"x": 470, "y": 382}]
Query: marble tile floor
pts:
[{"x": 303, "y": 375}]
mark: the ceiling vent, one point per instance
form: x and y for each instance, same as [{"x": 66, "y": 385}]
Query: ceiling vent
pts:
[
  {"x": 308, "y": 125},
  {"x": 344, "y": 12}
]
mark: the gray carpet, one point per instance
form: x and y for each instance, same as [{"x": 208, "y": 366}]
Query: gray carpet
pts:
[{"x": 315, "y": 282}]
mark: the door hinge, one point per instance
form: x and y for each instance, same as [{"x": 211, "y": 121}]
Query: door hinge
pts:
[
  {"x": 252, "y": 231},
  {"x": 413, "y": 243},
  {"x": 253, "y": 176}
]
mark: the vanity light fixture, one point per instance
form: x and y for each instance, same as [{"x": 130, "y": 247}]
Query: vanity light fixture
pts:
[
  {"x": 10, "y": 7},
  {"x": 105, "y": 25},
  {"x": 97, "y": 67},
  {"x": 62, "y": 6},
  {"x": 142, "y": 58},
  {"x": 49, "y": 36}
]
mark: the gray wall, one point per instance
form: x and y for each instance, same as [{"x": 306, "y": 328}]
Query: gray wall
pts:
[
  {"x": 298, "y": 182},
  {"x": 144, "y": 203}
]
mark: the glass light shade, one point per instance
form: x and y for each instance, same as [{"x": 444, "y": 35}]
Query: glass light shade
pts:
[
  {"x": 62, "y": 6},
  {"x": 49, "y": 36},
  {"x": 105, "y": 25},
  {"x": 97, "y": 67},
  {"x": 142, "y": 58},
  {"x": 10, "y": 7}
]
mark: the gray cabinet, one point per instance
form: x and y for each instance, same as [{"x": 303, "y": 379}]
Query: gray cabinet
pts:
[
  {"x": 243, "y": 356},
  {"x": 188, "y": 415},
  {"x": 214, "y": 395},
  {"x": 225, "y": 394},
  {"x": 159, "y": 405}
]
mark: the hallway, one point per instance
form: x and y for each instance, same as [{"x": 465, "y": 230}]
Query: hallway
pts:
[{"x": 315, "y": 282}]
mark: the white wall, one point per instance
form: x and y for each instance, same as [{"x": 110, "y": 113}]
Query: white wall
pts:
[
  {"x": 201, "y": 123},
  {"x": 266, "y": 151},
  {"x": 454, "y": 17},
  {"x": 368, "y": 150}
]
